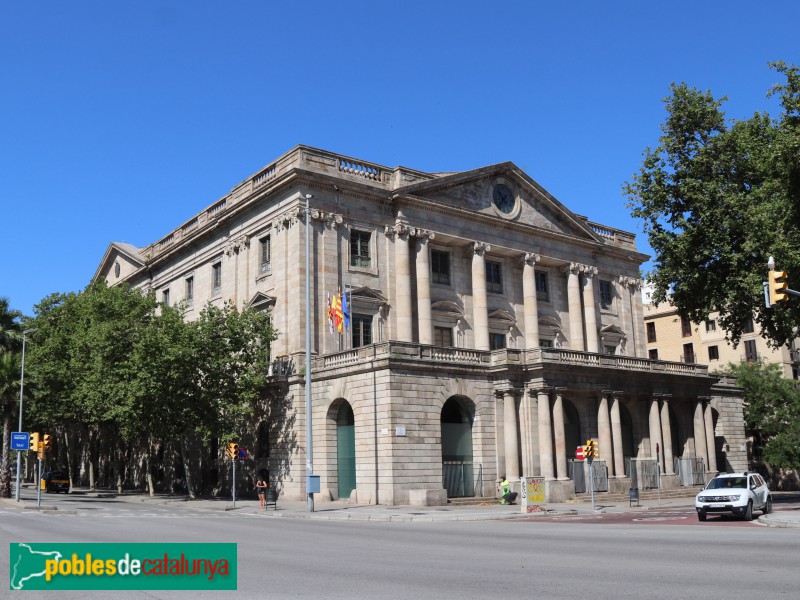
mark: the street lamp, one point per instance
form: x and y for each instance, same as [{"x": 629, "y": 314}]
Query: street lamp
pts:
[{"x": 21, "y": 387}]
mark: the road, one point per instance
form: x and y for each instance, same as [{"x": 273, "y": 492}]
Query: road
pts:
[{"x": 301, "y": 558}]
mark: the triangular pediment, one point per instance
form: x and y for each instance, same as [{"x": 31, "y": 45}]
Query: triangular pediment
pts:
[
  {"x": 523, "y": 201},
  {"x": 119, "y": 262},
  {"x": 261, "y": 301}
]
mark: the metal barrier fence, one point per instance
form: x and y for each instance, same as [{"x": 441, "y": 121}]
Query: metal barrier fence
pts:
[
  {"x": 578, "y": 471},
  {"x": 691, "y": 471},
  {"x": 643, "y": 472}
]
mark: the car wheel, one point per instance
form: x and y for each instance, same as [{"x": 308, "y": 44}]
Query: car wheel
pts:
[
  {"x": 767, "y": 506},
  {"x": 748, "y": 514},
  {"x": 701, "y": 516}
]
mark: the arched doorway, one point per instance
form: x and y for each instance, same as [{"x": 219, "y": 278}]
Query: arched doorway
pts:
[
  {"x": 458, "y": 469},
  {"x": 572, "y": 429},
  {"x": 345, "y": 450}
]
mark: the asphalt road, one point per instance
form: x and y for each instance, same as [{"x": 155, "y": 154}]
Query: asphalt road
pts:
[{"x": 297, "y": 558}]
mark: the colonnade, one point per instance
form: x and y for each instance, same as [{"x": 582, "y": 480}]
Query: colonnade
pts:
[
  {"x": 542, "y": 444},
  {"x": 583, "y": 319}
]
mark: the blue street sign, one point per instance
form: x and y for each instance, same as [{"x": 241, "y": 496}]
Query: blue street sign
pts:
[{"x": 20, "y": 440}]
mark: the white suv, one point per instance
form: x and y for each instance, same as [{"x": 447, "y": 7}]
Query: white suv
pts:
[{"x": 736, "y": 494}]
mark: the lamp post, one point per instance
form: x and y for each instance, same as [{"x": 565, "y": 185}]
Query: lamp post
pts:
[
  {"x": 309, "y": 443},
  {"x": 21, "y": 387}
]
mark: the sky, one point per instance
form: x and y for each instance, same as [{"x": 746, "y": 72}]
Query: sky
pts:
[{"x": 120, "y": 121}]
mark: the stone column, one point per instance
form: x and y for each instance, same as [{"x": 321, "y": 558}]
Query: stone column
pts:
[
  {"x": 559, "y": 436},
  {"x": 574, "y": 306},
  {"x": 480, "y": 319},
  {"x": 711, "y": 441},
  {"x": 700, "y": 443},
  {"x": 616, "y": 434},
  {"x": 512, "y": 441},
  {"x": 631, "y": 285},
  {"x": 545, "y": 435},
  {"x": 531, "y": 306},
  {"x": 424, "y": 320},
  {"x": 590, "y": 310},
  {"x": 403, "y": 283},
  {"x": 666, "y": 429},
  {"x": 655, "y": 428},
  {"x": 604, "y": 433}
]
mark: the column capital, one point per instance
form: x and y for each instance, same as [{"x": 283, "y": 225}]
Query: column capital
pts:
[
  {"x": 422, "y": 235},
  {"x": 478, "y": 248},
  {"x": 328, "y": 219},
  {"x": 535, "y": 391},
  {"x": 505, "y": 391},
  {"x": 236, "y": 245},
  {"x": 397, "y": 230},
  {"x": 531, "y": 258},
  {"x": 631, "y": 282},
  {"x": 577, "y": 268}
]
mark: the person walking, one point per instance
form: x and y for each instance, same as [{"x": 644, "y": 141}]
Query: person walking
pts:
[{"x": 261, "y": 488}]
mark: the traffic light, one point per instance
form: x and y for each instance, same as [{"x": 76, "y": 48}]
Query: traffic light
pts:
[
  {"x": 591, "y": 449},
  {"x": 46, "y": 445},
  {"x": 778, "y": 285},
  {"x": 232, "y": 450},
  {"x": 33, "y": 445}
]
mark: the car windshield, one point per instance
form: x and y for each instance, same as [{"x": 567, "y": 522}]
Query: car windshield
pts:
[{"x": 726, "y": 482}]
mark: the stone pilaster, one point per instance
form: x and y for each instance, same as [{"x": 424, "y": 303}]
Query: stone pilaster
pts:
[
  {"x": 590, "y": 310},
  {"x": 574, "y": 306},
  {"x": 666, "y": 429},
  {"x": 424, "y": 319},
  {"x": 700, "y": 443},
  {"x": 616, "y": 434},
  {"x": 632, "y": 286},
  {"x": 511, "y": 440},
  {"x": 655, "y": 428},
  {"x": 403, "y": 283},
  {"x": 559, "y": 435},
  {"x": 711, "y": 443}
]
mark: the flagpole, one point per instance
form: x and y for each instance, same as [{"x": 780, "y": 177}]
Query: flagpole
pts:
[{"x": 309, "y": 436}]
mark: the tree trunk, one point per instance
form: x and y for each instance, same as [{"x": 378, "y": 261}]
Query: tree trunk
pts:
[
  {"x": 92, "y": 458},
  {"x": 70, "y": 462},
  {"x": 187, "y": 472},
  {"x": 5, "y": 475},
  {"x": 150, "y": 483},
  {"x": 120, "y": 467}
]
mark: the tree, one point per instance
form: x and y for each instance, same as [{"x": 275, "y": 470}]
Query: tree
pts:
[
  {"x": 717, "y": 200},
  {"x": 10, "y": 342},
  {"x": 772, "y": 411}
]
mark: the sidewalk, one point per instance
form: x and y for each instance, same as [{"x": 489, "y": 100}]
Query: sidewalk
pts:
[{"x": 345, "y": 511}]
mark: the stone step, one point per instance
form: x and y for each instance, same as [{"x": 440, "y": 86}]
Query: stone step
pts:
[
  {"x": 473, "y": 500},
  {"x": 643, "y": 495}
]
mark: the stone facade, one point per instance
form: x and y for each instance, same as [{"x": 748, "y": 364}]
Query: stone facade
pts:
[{"x": 493, "y": 331}]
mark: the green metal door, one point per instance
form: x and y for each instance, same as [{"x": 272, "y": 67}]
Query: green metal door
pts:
[{"x": 346, "y": 450}]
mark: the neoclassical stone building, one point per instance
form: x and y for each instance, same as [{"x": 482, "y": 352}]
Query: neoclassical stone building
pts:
[{"x": 492, "y": 332}]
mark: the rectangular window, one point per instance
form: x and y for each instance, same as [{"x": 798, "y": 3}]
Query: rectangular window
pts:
[
  {"x": 545, "y": 343},
  {"x": 651, "y": 332},
  {"x": 713, "y": 353},
  {"x": 361, "y": 327},
  {"x": 359, "y": 249},
  {"x": 494, "y": 278},
  {"x": 265, "y": 254},
  {"x": 497, "y": 341},
  {"x": 189, "y": 291},
  {"x": 443, "y": 336},
  {"x": 688, "y": 354},
  {"x": 606, "y": 294},
  {"x": 542, "y": 293},
  {"x": 216, "y": 279},
  {"x": 750, "y": 352},
  {"x": 440, "y": 267},
  {"x": 748, "y": 326},
  {"x": 711, "y": 325},
  {"x": 609, "y": 349},
  {"x": 653, "y": 354},
  {"x": 165, "y": 297},
  {"x": 686, "y": 327}
]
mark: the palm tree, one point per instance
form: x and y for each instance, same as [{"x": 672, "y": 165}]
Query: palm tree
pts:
[
  {"x": 9, "y": 386},
  {"x": 10, "y": 326}
]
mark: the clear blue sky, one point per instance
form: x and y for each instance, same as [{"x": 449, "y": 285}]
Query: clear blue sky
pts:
[{"x": 121, "y": 120}]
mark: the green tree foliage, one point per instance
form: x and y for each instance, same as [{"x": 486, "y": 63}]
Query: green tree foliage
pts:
[
  {"x": 10, "y": 369},
  {"x": 717, "y": 199},
  {"x": 113, "y": 360},
  {"x": 772, "y": 411}
]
